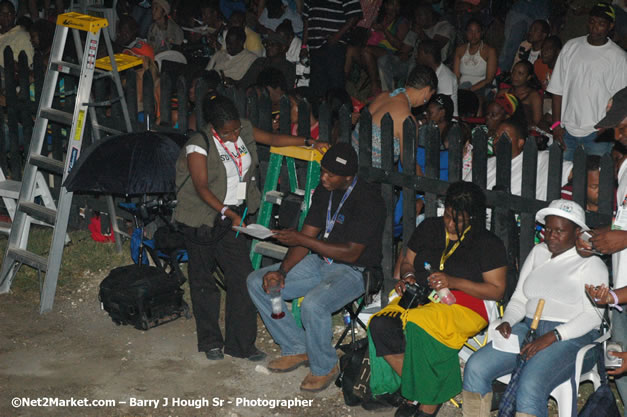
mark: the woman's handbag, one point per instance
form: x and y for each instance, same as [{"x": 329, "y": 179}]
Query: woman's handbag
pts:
[{"x": 602, "y": 402}]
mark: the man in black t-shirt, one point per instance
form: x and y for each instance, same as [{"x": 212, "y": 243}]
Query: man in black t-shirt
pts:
[{"x": 343, "y": 231}]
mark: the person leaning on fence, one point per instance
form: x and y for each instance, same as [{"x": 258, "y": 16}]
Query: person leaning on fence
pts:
[
  {"x": 416, "y": 349},
  {"x": 421, "y": 84},
  {"x": 553, "y": 271},
  {"x": 344, "y": 240},
  {"x": 217, "y": 179}
]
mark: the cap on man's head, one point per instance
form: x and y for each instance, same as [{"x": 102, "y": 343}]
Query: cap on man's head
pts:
[
  {"x": 604, "y": 10},
  {"x": 340, "y": 159},
  {"x": 616, "y": 111}
]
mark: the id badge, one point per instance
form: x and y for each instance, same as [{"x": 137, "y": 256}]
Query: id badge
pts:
[
  {"x": 620, "y": 222},
  {"x": 241, "y": 191}
]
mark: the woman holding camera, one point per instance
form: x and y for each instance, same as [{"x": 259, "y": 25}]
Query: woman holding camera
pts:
[
  {"x": 553, "y": 271},
  {"x": 416, "y": 348}
]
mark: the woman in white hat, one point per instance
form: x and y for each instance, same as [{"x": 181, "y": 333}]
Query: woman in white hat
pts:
[{"x": 555, "y": 272}]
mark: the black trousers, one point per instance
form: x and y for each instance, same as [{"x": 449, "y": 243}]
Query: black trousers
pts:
[{"x": 232, "y": 255}]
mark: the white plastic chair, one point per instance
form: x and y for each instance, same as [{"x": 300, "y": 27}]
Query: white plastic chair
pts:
[{"x": 563, "y": 393}]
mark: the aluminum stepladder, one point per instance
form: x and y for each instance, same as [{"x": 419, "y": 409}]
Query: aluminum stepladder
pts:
[
  {"x": 27, "y": 209},
  {"x": 271, "y": 196},
  {"x": 10, "y": 193}
]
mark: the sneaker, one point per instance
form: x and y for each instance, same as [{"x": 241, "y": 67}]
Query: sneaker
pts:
[{"x": 214, "y": 354}]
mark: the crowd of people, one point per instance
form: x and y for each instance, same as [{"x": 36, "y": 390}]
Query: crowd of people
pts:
[{"x": 523, "y": 70}]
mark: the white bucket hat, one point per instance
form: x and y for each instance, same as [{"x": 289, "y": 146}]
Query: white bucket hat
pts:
[{"x": 566, "y": 209}]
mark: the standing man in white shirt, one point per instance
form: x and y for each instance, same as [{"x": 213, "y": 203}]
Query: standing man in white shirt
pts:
[
  {"x": 428, "y": 54},
  {"x": 589, "y": 70},
  {"x": 613, "y": 239}
]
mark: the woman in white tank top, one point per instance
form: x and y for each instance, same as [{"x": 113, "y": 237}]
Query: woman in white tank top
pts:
[{"x": 475, "y": 62}]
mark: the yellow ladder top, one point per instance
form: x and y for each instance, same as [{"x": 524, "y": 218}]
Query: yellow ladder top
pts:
[
  {"x": 82, "y": 22},
  {"x": 298, "y": 152},
  {"x": 122, "y": 61}
]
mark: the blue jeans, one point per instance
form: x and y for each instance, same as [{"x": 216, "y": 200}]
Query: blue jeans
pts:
[
  {"x": 326, "y": 288},
  {"x": 589, "y": 144},
  {"x": 542, "y": 373},
  {"x": 619, "y": 334},
  {"x": 393, "y": 71}
]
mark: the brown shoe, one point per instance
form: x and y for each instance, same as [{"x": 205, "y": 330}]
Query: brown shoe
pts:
[
  {"x": 313, "y": 383},
  {"x": 288, "y": 363}
]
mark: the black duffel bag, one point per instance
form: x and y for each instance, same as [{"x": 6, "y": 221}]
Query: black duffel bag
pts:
[{"x": 142, "y": 296}]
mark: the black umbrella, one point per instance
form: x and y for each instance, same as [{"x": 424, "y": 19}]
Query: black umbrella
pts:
[
  {"x": 507, "y": 407},
  {"x": 129, "y": 164}
]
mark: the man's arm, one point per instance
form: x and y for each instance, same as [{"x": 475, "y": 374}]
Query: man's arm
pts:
[
  {"x": 333, "y": 39},
  {"x": 307, "y": 238}
]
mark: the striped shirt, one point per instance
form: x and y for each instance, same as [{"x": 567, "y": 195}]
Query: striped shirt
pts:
[{"x": 326, "y": 17}]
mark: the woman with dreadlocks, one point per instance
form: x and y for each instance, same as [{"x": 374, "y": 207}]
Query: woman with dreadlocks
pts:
[{"x": 416, "y": 348}]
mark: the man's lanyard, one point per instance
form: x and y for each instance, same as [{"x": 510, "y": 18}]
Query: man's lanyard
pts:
[
  {"x": 445, "y": 254},
  {"x": 331, "y": 221},
  {"x": 237, "y": 161}
]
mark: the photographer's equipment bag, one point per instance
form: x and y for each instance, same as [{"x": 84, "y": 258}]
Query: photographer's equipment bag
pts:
[
  {"x": 602, "y": 402},
  {"x": 142, "y": 296},
  {"x": 289, "y": 211}
]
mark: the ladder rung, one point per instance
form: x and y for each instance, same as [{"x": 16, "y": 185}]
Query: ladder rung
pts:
[
  {"x": 108, "y": 129},
  {"x": 10, "y": 189},
  {"x": 274, "y": 197},
  {"x": 104, "y": 102},
  {"x": 66, "y": 67},
  {"x": 271, "y": 249},
  {"x": 56, "y": 115},
  {"x": 5, "y": 228},
  {"x": 28, "y": 258},
  {"x": 38, "y": 211},
  {"x": 48, "y": 164}
]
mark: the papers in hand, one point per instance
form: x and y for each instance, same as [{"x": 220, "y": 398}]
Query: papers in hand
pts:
[
  {"x": 255, "y": 230},
  {"x": 510, "y": 345}
]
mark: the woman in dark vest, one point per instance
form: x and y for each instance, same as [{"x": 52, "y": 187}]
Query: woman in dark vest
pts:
[{"x": 216, "y": 178}]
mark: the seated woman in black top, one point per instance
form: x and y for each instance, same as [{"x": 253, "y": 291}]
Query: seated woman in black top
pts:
[{"x": 417, "y": 348}]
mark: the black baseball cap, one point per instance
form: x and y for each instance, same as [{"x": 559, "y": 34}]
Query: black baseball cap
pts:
[
  {"x": 616, "y": 111},
  {"x": 604, "y": 10},
  {"x": 340, "y": 159}
]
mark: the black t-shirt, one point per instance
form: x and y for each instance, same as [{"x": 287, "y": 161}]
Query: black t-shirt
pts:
[
  {"x": 479, "y": 252},
  {"x": 360, "y": 219}
]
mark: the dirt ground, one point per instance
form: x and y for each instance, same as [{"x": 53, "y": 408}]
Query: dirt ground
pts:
[{"x": 77, "y": 353}]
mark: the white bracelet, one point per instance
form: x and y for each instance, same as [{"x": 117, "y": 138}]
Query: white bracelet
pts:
[
  {"x": 615, "y": 305},
  {"x": 224, "y": 209}
]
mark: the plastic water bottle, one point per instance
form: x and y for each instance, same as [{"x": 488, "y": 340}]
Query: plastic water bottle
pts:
[
  {"x": 444, "y": 294},
  {"x": 346, "y": 317},
  {"x": 277, "y": 302}
]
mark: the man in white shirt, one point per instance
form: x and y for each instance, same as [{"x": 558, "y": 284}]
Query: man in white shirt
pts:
[
  {"x": 589, "y": 70},
  {"x": 234, "y": 61},
  {"x": 518, "y": 137},
  {"x": 428, "y": 54}
]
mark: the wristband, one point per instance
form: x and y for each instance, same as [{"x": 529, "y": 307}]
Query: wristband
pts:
[
  {"x": 308, "y": 142},
  {"x": 408, "y": 274},
  {"x": 557, "y": 334},
  {"x": 554, "y": 125},
  {"x": 303, "y": 46},
  {"x": 615, "y": 305},
  {"x": 224, "y": 209}
]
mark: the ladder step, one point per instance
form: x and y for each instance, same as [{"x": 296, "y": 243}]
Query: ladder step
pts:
[
  {"x": 38, "y": 211},
  {"x": 271, "y": 250},
  {"x": 28, "y": 258},
  {"x": 10, "y": 189},
  {"x": 274, "y": 197},
  {"x": 49, "y": 164},
  {"x": 66, "y": 68},
  {"x": 108, "y": 130},
  {"x": 5, "y": 228},
  {"x": 56, "y": 115}
]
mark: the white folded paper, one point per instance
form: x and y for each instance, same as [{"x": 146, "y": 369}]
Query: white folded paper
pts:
[
  {"x": 510, "y": 344},
  {"x": 257, "y": 231}
]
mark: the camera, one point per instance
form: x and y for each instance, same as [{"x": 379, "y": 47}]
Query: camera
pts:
[
  {"x": 613, "y": 362},
  {"x": 415, "y": 295}
]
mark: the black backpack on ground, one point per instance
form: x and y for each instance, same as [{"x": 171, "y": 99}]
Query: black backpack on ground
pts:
[{"x": 143, "y": 296}]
